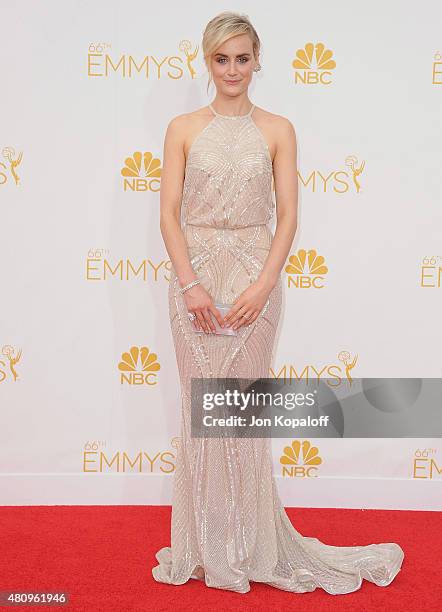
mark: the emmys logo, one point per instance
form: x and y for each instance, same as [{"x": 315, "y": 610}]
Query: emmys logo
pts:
[
  {"x": 437, "y": 69},
  {"x": 300, "y": 460},
  {"x": 340, "y": 181},
  {"x": 99, "y": 267},
  {"x": 335, "y": 372},
  {"x": 8, "y": 365},
  {"x": 11, "y": 165},
  {"x": 141, "y": 172},
  {"x": 139, "y": 367},
  {"x": 431, "y": 272},
  {"x": 313, "y": 64},
  {"x": 96, "y": 458},
  {"x": 425, "y": 466},
  {"x": 306, "y": 270},
  {"x": 100, "y": 63}
]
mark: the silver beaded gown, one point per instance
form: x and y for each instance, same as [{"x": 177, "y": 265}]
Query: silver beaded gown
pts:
[{"x": 228, "y": 524}]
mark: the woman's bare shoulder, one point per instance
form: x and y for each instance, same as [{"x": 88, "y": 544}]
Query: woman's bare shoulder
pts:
[
  {"x": 185, "y": 126},
  {"x": 184, "y": 120},
  {"x": 277, "y": 122},
  {"x": 276, "y": 129}
]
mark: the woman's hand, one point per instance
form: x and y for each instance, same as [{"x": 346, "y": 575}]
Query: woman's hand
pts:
[
  {"x": 248, "y": 305},
  {"x": 200, "y": 302}
]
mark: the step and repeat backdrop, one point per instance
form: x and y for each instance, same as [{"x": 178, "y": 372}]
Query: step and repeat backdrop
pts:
[{"x": 89, "y": 388}]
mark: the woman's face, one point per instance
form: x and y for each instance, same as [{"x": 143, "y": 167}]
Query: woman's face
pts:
[{"x": 232, "y": 65}]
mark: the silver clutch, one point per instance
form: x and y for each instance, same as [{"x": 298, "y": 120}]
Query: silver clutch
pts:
[{"x": 220, "y": 331}]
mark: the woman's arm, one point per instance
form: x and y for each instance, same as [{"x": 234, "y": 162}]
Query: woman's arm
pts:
[
  {"x": 197, "y": 299},
  {"x": 253, "y": 299},
  {"x": 286, "y": 193},
  {"x": 171, "y": 192}
]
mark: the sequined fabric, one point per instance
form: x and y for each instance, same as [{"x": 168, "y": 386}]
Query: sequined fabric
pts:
[{"x": 228, "y": 524}]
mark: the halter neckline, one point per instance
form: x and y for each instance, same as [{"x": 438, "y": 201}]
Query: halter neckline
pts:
[{"x": 231, "y": 116}]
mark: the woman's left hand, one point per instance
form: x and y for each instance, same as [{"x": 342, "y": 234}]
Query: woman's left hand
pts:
[{"x": 248, "y": 305}]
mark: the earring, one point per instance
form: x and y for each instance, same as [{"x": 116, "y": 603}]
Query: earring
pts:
[{"x": 257, "y": 67}]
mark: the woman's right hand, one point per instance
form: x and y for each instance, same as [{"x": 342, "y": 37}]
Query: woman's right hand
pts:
[{"x": 200, "y": 302}]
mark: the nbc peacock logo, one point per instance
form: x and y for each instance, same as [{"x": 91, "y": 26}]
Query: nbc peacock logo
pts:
[
  {"x": 141, "y": 172},
  {"x": 313, "y": 65},
  {"x": 104, "y": 62},
  {"x": 8, "y": 167},
  {"x": 300, "y": 460},
  {"x": 306, "y": 270},
  {"x": 139, "y": 366}
]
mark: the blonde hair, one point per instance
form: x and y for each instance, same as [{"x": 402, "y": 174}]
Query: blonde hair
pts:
[{"x": 224, "y": 26}]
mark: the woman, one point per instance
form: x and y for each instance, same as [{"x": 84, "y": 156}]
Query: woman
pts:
[{"x": 228, "y": 524}]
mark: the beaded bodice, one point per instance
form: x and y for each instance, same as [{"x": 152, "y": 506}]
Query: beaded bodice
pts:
[{"x": 228, "y": 176}]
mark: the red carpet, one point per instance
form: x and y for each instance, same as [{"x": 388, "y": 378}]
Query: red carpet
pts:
[{"x": 102, "y": 556}]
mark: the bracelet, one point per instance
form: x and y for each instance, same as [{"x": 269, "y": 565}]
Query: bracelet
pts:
[{"x": 192, "y": 284}]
